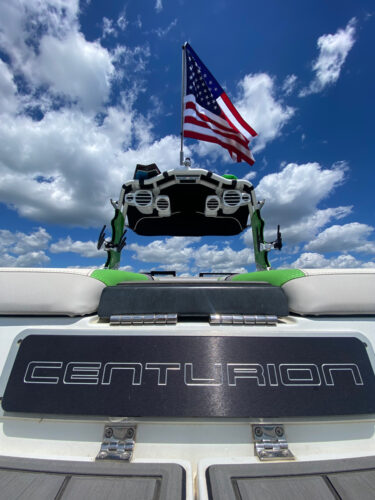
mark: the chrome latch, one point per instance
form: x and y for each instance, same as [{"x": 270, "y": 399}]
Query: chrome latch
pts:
[
  {"x": 270, "y": 443},
  {"x": 143, "y": 319},
  {"x": 242, "y": 319},
  {"x": 118, "y": 442}
]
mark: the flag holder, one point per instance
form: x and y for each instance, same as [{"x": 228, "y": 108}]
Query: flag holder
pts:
[{"x": 184, "y": 162}]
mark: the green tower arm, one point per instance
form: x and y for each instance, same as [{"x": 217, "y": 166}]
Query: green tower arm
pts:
[
  {"x": 261, "y": 247},
  {"x": 116, "y": 244},
  {"x": 261, "y": 255}
]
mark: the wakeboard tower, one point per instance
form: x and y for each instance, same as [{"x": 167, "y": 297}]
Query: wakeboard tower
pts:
[{"x": 186, "y": 202}]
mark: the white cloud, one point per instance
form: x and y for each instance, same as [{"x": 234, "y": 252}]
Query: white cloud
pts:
[
  {"x": 333, "y": 50},
  {"x": 20, "y": 243},
  {"x": 122, "y": 22},
  {"x": 211, "y": 258},
  {"x": 308, "y": 226},
  {"x": 311, "y": 260},
  {"x": 83, "y": 248},
  {"x": 183, "y": 254},
  {"x": 158, "y": 6},
  {"x": 108, "y": 29},
  {"x": 173, "y": 253},
  {"x": 289, "y": 84},
  {"x": 138, "y": 22},
  {"x": 30, "y": 259},
  {"x": 292, "y": 199},
  {"x": 8, "y": 90},
  {"x": 134, "y": 60},
  {"x": 75, "y": 68},
  {"x": 348, "y": 237},
  {"x": 18, "y": 249},
  {"x": 74, "y": 153},
  {"x": 55, "y": 168},
  {"x": 295, "y": 191},
  {"x": 25, "y": 21},
  {"x": 260, "y": 108},
  {"x": 162, "y": 32}
]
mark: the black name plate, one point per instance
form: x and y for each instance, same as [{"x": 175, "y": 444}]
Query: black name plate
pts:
[{"x": 176, "y": 376}]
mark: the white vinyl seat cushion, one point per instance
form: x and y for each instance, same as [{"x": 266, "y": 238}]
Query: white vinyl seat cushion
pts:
[
  {"x": 332, "y": 292},
  {"x": 43, "y": 291}
]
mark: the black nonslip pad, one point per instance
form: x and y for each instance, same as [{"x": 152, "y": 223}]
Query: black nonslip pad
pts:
[
  {"x": 34, "y": 479},
  {"x": 190, "y": 376},
  {"x": 193, "y": 299},
  {"x": 345, "y": 479}
]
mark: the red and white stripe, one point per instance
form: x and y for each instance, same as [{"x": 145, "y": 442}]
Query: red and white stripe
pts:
[
  {"x": 228, "y": 130},
  {"x": 233, "y": 117}
]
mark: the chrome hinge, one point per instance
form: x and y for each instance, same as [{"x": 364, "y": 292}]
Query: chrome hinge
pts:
[
  {"x": 270, "y": 442},
  {"x": 143, "y": 319},
  {"x": 242, "y": 319},
  {"x": 118, "y": 442}
]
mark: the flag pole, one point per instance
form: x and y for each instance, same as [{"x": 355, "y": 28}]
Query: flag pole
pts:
[{"x": 182, "y": 159}]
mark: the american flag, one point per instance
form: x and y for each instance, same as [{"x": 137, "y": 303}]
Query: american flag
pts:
[{"x": 208, "y": 113}]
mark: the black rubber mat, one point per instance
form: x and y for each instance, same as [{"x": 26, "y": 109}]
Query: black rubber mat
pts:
[
  {"x": 350, "y": 479},
  {"x": 30, "y": 479}
]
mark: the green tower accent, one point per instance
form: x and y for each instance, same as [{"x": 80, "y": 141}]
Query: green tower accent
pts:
[
  {"x": 114, "y": 255},
  {"x": 257, "y": 227}
]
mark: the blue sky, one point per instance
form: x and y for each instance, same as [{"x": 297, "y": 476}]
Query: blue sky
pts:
[{"x": 88, "y": 89}]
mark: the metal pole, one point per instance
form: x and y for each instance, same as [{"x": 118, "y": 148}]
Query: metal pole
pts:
[{"x": 182, "y": 162}]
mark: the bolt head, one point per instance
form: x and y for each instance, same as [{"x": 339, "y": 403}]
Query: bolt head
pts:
[
  {"x": 130, "y": 433},
  {"x": 279, "y": 431},
  {"x": 258, "y": 431},
  {"x": 108, "y": 432}
]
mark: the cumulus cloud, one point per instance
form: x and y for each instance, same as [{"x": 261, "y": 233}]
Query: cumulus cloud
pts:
[
  {"x": 58, "y": 135},
  {"x": 333, "y": 51},
  {"x": 292, "y": 199},
  {"x": 24, "y": 23},
  {"x": 186, "y": 255},
  {"x": 56, "y": 170},
  {"x": 18, "y": 249},
  {"x": 348, "y": 237},
  {"x": 30, "y": 259},
  {"x": 295, "y": 191},
  {"x": 172, "y": 253},
  {"x": 258, "y": 104},
  {"x": 312, "y": 260},
  {"x": 211, "y": 258},
  {"x": 8, "y": 90},
  {"x": 83, "y": 248},
  {"x": 73, "y": 67}
]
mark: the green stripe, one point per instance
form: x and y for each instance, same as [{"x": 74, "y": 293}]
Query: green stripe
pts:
[
  {"x": 277, "y": 277},
  {"x": 111, "y": 277}
]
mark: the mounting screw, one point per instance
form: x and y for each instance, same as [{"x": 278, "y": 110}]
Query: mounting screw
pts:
[
  {"x": 130, "y": 433},
  {"x": 108, "y": 433},
  {"x": 279, "y": 431},
  {"x": 258, "y": 432}
]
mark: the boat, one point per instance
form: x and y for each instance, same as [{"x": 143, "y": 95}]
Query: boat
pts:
[{"x": 155, "y": 386}]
